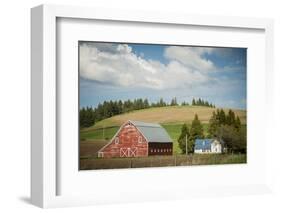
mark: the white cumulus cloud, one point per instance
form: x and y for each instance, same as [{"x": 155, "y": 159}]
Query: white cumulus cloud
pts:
[
  {"x": 118, "y": 65},
  {"x": 191, "y": 57}
]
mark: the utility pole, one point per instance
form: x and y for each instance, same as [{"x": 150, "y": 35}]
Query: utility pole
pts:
[
  {"x": 103, "y": 132},
  {"x": 186, "y": 144}
]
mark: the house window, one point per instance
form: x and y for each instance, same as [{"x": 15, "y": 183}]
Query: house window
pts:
[
  {"x": 140, "y": 139},
  {"x": 116, "y": 140}
]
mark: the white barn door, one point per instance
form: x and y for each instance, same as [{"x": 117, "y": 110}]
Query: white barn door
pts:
[{"x": 128, "y": 152}]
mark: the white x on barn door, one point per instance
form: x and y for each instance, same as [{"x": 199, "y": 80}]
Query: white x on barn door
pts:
[
  {"x": 133, "y": 152},
  {"x": 128, "y": 152},
  {"x": 124, "y": 152}
]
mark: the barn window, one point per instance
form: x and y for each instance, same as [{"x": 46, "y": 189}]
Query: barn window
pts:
[
  {"x": 116, "y": 140},
  {"x": 140, "y": 139}
]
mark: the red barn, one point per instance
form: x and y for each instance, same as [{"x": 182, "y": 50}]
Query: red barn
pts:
[{"x": 138, "y": 139}]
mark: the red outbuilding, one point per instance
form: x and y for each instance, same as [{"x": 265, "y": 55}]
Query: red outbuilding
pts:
[{"x": 138, "y": 139}]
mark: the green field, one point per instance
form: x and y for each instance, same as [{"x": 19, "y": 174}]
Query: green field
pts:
[{"x": 105, "y": 133}]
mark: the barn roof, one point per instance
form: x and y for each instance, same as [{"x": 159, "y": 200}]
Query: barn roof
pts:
[
  {"x": 204, "y": 144},
  {"x": 153, "y": 132}
]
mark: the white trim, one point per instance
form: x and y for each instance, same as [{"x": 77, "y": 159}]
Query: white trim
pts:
[
  {"x": 111, "y": 141},
  {"x": 134, "y": 152},
  {"x": 100, "y": 155},
  {"x": 116, "y": 140},
  {"x": 140, "y": 139}
]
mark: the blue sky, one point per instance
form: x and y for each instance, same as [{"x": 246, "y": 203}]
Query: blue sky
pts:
[{"x": 114, "y": 71}]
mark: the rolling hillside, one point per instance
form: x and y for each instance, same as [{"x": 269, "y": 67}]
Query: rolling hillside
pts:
[{"x": 165, "y": 115}]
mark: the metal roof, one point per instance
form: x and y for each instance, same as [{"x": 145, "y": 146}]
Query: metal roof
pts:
[
  {"x": 204, "y": 144},
  {"x": 153, "y": 132}
]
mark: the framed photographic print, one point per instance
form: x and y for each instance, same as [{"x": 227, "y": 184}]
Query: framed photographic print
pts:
[
  {"x": 150, "y": 105},
  {"x": 120, "y": 101}
]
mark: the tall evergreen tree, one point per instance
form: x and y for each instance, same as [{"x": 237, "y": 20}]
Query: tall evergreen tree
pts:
[
  {"x": 213, "y": 125},
  {"x": 193, "y": 102},
  {"x": 222, "y": 117},
  {"x": 196, "y": 131},
  {"x": 199, "y": 102},
  {"x": 237, "y": 123},
  {"x": 183, "y": 138},
  {"x": 174, "y": 102},
  {"x": 230, "y": 118}
]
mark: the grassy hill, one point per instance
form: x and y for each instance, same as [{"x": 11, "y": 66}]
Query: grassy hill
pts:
[
  {"x": 166, "y": 115},
  {"x": 171, "y": 118}
]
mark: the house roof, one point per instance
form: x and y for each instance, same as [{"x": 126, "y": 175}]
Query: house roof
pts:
[
  {"x": 153, "y": 132},
  {"x": 203, "y": 144}
]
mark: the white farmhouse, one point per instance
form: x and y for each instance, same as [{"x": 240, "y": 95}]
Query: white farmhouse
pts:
[{"x": 204, "y": 146}]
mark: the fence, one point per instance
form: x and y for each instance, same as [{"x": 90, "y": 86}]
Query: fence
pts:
[{"x": 161, "y": 161}]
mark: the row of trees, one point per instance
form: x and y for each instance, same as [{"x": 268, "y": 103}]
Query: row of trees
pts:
[
  {"x": 201, "y": 102},
  {"x": 88, "y": 115},
  {"x": 220, "y": 118},
  {"x": 225, "y": 127}
]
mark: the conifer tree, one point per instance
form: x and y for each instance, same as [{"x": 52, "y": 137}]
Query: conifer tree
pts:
[
  {"x": 213, "y": 125},
  {"x": 193, "y": 102},
  {"x": 230, "y": 118},
  {"x": 183, "y": 138},
  {"x": 237, "y": 123},
  {"x": 222, "y": 117},
  {"x": 196, "y": 131}
]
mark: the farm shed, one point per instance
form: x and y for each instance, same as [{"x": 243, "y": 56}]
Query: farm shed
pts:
[
  {"x": 205, "y": 146},
  {"x": 138, "y": 139}
]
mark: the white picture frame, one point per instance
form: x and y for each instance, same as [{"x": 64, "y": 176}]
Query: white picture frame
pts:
[{"x": 44, "y": 149}]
